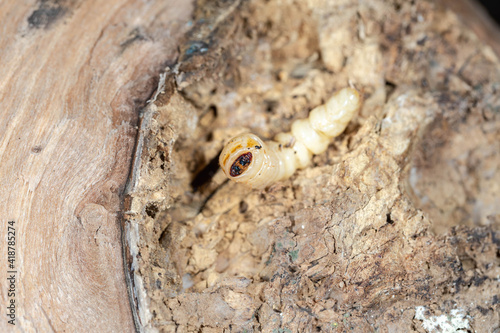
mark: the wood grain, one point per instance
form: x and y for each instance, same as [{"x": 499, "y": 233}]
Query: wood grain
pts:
[{"x": 73, "y": 76}]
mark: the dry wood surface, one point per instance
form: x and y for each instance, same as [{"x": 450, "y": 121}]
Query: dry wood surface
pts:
[{"x": 74, "y": 75}]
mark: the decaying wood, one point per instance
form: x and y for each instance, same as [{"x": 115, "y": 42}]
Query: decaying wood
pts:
[
  {"x": 392, "y": 230},
  {"x": 74, "y": 76},
  {"x": 477, "y": 18}
]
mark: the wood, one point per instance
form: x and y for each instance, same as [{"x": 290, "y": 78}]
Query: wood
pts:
[
  {"x": 475, "y": 16},
  {"x": 74, "y": 76},
  {"x": 392, "y": 229}
]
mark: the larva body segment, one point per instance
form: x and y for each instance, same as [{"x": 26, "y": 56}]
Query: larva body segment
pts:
[
  {"x": 264, "y": 163},
  {"x": 249, "y": 160}
]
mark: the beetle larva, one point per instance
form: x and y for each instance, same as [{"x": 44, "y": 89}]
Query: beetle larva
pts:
[{"x": 249, "y": 160}]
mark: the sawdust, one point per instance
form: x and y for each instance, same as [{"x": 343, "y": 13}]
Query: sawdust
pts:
[{"x": 402, "y": 210}]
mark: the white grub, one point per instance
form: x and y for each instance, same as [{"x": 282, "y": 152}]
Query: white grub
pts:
[{"x": 251, "y": 161}]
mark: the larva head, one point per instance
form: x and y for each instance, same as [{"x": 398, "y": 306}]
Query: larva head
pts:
[{"x": 245, "y": 159}]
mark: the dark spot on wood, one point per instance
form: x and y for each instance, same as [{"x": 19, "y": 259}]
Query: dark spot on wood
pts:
[
  {"x": 162, "y": 158},
  {"x": 483, "y": 311},
  {"x": 36, "y": 149},
  {"x": 243, "y": 207},
  {"x": 458, "y": 283},
  {"x": 135, "y": 35},
  {"x": 421, "y": 42},
  {"x": 258, "y": 147},
  {"x": 240, "y": 164},
  {"x": 390, "y": 87},
  {"x": 151, "y": 210},
  {"x": 206, "y": 174},
  {"x": 479, "y": 280},
  {"x": 48, "y": 12},
  {"x": 271, "y": 106},
  {"x": 478, "y": 235},
  {"x": 495, "y": 239},
  {"x": 213, "y": 109}
]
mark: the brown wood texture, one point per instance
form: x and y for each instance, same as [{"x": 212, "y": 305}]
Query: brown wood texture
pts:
[
  {"x": 392, "y": 229},
  {"x": 74, "y": 75},
  {"x": 477, "y": 18}
]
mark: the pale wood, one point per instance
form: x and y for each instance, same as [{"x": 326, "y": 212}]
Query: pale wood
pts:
[{"x": 73, "y": 77}]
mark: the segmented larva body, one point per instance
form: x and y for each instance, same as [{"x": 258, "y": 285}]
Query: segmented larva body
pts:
[{"x": 249, "y": 160}]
